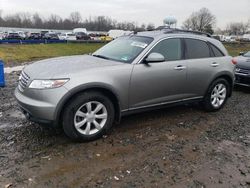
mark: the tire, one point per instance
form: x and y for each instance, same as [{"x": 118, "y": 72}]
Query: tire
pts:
[
  {"x": 217, "y": 95},
  {"x": 81, "y": 122}
]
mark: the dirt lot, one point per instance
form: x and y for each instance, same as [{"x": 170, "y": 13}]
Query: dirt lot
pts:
[{"x": 176, "y": 147}]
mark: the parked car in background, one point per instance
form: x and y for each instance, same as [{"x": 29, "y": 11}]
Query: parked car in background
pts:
[
  {"x": 219, "y": 37},
  {"x": 82, "y": 36},
  {"x": 246, "y": 37},
  {"x": 94, "y": 36},
  {"x": 242, "y": 71},
  {"x": 13, "y": 35},
  {"x": 52, "y": 36},
  {"x": 2, "y": 35},
  {"x": 230, "y": 39},
  {"x": 67, "y": 36},
  {"x": 35, "y": 36},
  {"x": 44, "y": 32},
  {"x": 22, "y": 35},
  {"x": 106, "y": 38},
  {"x": 85, "y": 94}
]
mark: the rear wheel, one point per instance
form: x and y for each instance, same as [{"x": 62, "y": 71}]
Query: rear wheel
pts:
[
  {"x": 217, "y": 95},
  {"x": 88, "y": 116}
]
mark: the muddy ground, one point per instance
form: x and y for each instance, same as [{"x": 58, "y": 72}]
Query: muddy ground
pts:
[{"x": 175, "y": 147}]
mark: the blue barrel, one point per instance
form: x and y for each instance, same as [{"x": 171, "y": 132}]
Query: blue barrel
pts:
[{"x": 2, "y": 81}]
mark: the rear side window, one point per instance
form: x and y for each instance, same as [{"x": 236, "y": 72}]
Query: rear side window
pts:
[
  {"x": 216, "y": 51},
  {"x": 170, "y": 49},
  {"x": 196, "y": 49}
]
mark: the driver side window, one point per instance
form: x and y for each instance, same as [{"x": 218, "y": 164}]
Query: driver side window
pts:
[{"x": 169, "y": 48}]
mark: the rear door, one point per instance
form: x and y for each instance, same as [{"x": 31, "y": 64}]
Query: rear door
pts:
[
  {"x": 203, "y": 65},
  {"x": 157, "y": 83}
]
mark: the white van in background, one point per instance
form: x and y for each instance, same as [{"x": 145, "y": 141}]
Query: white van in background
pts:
[
  {"x": 67, "y": 36},
  {"x": 246, "y": 37},
  {"x": 231, "y": 38},
  {"x": 80, "y": 30}
]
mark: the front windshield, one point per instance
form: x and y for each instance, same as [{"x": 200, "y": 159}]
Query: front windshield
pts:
[
  {"x": 124, "y": 49},
  {"x": 247, "y": 54}
]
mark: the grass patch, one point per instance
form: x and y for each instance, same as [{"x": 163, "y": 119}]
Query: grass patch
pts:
[
  {"x": 14, "y": 54},
  {"x": 235, "y": 48}
]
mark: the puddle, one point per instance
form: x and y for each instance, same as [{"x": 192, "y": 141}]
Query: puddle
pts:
[
  {"x": 5, "y": 125},
  {"x": 9, "y": 125},
  {"x": 13, "y": 114},
  {"x": 16, "y": 114}
]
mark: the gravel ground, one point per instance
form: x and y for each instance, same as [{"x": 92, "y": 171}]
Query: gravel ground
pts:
[{"x": 175, "y": 147}]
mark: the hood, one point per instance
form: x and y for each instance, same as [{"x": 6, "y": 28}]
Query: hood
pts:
[
  {"x": 62, "y": 66},
  {"x": 243, "y": 62}
]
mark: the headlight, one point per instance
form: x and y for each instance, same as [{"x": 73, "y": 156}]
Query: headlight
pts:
[{"x": 47, "y": 84}]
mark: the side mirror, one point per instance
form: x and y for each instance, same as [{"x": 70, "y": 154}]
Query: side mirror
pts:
[
  {"x": 154, "y": 58},
  {"x": 241, "y": 53}
]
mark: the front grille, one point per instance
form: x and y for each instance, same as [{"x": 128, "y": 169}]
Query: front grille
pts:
[
  {"x": 23, "y": 81},
  {"x": 242, "y": 71},
  {"x": 243, "y": 80}
]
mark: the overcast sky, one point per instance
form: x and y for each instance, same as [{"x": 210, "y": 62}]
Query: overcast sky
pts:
[{"x": 141, "y": 11}]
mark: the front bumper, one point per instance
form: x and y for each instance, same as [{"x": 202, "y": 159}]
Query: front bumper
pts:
[
  {"x": 242, "y": 79},
  {"x": 40, "y": 105}
]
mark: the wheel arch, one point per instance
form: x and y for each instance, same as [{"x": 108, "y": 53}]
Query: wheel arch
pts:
[
  {"x": 228, "y": 77},
  {"x": 102, "y": 88}
]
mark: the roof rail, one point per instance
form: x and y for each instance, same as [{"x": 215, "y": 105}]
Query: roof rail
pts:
[{"x": 170, "y": 30}]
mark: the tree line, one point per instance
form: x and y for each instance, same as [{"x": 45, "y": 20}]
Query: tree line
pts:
[
  {"x": 75, "y": 20},
  {"x": 202, "y": 20}
]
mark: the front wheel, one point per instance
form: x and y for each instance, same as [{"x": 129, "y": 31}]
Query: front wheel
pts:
[
  {"x": 88, "y": 116},
  {"x": 217, "y": 95}
]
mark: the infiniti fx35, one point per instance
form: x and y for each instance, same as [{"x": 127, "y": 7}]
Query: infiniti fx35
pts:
[{"x": 86, "y": 94}]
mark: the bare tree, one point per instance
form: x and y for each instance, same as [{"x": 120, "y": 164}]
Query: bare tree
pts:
[
  {"x": 150, "y": 27},
  {"x": 37, "y": 20},
  {"x": 99, "y": 23},
  {"x": 237, "y": 28},
  {"x": 187, "y": 24},
  {"x": 54, "y": 21},
  {"x": 1, "y": 18},
  {"x": 143, "y": 27},
  {"x": 75, "y": 17},
  {"x": 13, "y": 20},
  {"x": 202, "y": 20},
  {"x": 25, "y": 19}
]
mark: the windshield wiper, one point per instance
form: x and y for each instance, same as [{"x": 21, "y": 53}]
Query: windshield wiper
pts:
[{"x": 100, "y": 56}]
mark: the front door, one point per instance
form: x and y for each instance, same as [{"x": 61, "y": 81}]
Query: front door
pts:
[{"x": 158, "y": 83}]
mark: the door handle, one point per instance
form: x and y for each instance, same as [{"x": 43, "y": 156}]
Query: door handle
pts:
[
  {"x": 214, "y": 64},
  {"x": 180, "y": 67}
]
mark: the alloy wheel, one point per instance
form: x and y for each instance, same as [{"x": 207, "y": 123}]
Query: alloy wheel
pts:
[
  {"x": 218, "y": 95},
  {"x": 90, "y": 118}
]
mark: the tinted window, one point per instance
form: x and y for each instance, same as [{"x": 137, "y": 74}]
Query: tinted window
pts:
[
  {"x": 196, "y": 49},
  {"x": 216, "y": 51},
  {"x": 170, "y": 49}
]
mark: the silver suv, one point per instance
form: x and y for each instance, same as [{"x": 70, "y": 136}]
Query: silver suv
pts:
[{"x": 85, "y": 94}]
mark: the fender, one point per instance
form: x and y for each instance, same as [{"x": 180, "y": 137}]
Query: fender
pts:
[
  {"x": 226, "y": 74},
  {"x": 82, "y": 88}
]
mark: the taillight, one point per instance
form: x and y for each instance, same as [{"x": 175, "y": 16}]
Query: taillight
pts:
[{"x": 234, "y": 61}]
